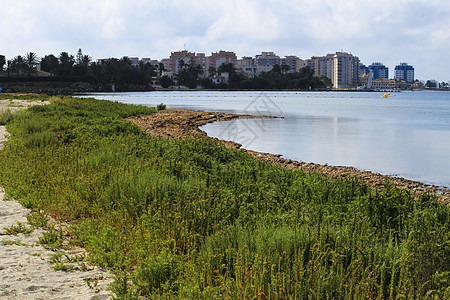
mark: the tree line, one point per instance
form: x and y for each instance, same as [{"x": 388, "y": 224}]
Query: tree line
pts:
[
  {"x": 125, "y": 75},
  {"x": 67, "y": 67}
]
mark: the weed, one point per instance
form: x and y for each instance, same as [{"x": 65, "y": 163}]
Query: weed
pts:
[
  {"x": 161, "y": 106},
  {"x": 91, "y": 282},
  {"x": 18, "y": 243},
  {"x": 62, "y": 267},
  {"x": 15, "y": 229},
  {"x": 52, "y": 239},
  {"x": 37, "y": 219},
  {"x": 6, "y": 116}
]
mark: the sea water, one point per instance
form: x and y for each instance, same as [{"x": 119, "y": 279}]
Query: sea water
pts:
[{"x": 406, "y": 134}]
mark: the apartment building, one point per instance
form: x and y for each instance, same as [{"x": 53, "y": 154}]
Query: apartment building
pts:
[
  {"x": 180, "y": 58},
  {"x": 265, "y": 61},
  {"x": 322, "y": 65},
  {"x": 293, "y": 62},
  {"x": 342, "y": 68},
  {"x": 222, "y": 57},
  {"x": 246, "y": 65},
  {"x": 379, "y": 70},
  {"x": 405, "y": 72}
]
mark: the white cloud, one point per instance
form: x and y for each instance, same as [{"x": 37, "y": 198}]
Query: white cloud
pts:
[{"x": 384, "y": 30}]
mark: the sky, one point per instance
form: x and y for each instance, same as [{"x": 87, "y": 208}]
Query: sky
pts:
[{"x": 388, "y": 31}]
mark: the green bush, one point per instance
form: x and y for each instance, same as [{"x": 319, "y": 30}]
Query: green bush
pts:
[{"x": 161, "y": 106}]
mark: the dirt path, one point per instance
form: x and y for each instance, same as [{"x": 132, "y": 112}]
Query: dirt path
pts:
[
  {"x": 25, "y": 270},
  {"x": 177, "y": 123}
]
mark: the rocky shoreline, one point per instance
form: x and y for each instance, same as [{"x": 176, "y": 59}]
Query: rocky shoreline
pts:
[{"x": 178, "y": 123}]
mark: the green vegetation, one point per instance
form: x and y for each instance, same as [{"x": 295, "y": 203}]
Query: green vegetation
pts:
[
  {"x": 191, "y": 219},
  {"x": 161, "y": 106},
  {"x": 15, "y": 229},
  {"x": 9, "y": 243}
]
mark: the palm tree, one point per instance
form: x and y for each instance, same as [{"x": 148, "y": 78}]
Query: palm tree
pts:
[
  {"x": 17, "y": 64},
  {"x": 31, "y": 60}
]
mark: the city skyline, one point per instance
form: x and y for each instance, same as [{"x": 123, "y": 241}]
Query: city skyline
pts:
[{"x": 409, "y": 31}]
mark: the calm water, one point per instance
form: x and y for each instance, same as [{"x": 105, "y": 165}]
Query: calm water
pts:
[{"x": 407, "y": 135}]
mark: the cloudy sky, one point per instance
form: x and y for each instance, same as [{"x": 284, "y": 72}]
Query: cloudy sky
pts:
[{"x": 388, "y": 31}]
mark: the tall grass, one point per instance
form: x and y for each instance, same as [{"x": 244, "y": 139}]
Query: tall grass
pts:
[{"x": 192, "y": 219}]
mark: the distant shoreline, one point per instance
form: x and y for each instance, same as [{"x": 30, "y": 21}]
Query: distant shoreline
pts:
[{"x": 184, "y": 124}]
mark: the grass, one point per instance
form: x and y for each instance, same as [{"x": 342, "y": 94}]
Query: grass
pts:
[
  {"x": 15, "y": 229},
  {"x": 8, "y": 243},
  {"x": 191, "y": 219}
]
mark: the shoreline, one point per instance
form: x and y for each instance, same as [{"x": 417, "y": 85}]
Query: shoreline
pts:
[{"x": 184, "y": 124}]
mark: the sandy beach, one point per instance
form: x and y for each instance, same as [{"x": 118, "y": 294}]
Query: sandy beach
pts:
[{"x": 25, "y": 268}]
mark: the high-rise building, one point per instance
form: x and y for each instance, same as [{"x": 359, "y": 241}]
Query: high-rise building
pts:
[
  {"x": 322, "y": 65},
  {"x": 294, "y": 63},
  {"x": 202, "y": 60},
  {"x": 246, "y": 65},
  {"x": 345, "y": 71},
  {"x": 222, "y": 57},
  {"x": 342, "y": 68},
  {"x": 405, "y": 72},
  {"x": 265, "y": 61},
  {"x": 379, "y": 70},
  {"x": 180, "y": 58}
]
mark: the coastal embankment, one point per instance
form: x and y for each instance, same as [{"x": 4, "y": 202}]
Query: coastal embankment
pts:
[{"x": 184, "y": 124}]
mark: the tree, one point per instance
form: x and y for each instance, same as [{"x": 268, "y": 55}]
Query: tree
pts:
[
  {"x": 82, "y": 62},
  {"x": 2, "y": 62},
  {"x": 227, "y": 68},
  {"x": 66, "y": 63},
  {"x": 165, "y": 81},
  {"x": 50, "y": 63},
  {"x": 276, "y": 69},
  {"x": 79, "y": 57},
  {"x": 161, "y": 68},
  {"x": 431, "y": 84},
  {"x": 326, "y": 81},
  {"x": 31, "y": 60},
  {"x": 212, "y": 71},
  {"x": 18, "y": 64},
  {"x": 285, "y": 68},
  {"x": 188, "y": 75}
]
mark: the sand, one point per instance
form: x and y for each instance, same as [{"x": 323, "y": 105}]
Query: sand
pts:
[{"x": 25, "y": 270}]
